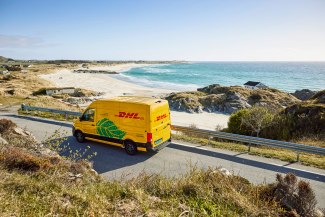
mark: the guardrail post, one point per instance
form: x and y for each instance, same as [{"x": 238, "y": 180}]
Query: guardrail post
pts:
[
  {"x": 298, "y": 157},
  {"x": 23, "y": 108},
  {"x": 249, "y": 147},
  {"x": 66, "y": 116}
]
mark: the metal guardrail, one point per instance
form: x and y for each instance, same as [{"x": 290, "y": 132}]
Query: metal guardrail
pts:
[
  {"x": 253, "y": 140},
  {"x": 57, "y": 111},
  {"x": 214, "y": 134}
]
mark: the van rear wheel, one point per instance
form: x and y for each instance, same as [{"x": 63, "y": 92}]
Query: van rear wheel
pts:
[
  {"x": 80, "y": 136},
  {"x": 130, "y": 148}
]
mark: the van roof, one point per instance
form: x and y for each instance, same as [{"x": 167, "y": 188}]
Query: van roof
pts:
[{"x": 135, "y": 99}]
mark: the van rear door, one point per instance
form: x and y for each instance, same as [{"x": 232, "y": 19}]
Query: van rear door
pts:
[{"x": 160, "y": 123}]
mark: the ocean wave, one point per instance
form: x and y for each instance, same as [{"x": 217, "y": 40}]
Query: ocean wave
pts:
[
  {"x": 156, "y": 70},
  {"x": 156, "y": 84}
]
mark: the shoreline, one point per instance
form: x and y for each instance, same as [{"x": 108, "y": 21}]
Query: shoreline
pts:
[{"x": 112, "y": 87}]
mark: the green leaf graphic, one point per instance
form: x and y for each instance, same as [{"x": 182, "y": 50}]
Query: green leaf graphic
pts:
[{"x": 107, "y": 128}]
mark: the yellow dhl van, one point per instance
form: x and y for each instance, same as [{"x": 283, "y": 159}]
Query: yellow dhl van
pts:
[{"x": 134, "y": 123}]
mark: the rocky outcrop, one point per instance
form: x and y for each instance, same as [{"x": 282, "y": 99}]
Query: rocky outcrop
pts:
[
  {"x": 13, "y": 136},
  {"x": 304, "y": 94},
  {"x": 217, "y": 98},
  {"x": 77, "y": 100},
  {"x": 94, "y": 71},
  {"x": 319, "y": 97}
]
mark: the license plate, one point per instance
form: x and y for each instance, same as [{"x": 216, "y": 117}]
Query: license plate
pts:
[{"x": 158, "y": 141}]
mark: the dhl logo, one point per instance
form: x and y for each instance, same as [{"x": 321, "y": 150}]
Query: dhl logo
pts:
[
  {"x": 129, "y": 115},
  {"x": 160, "y": 117}
]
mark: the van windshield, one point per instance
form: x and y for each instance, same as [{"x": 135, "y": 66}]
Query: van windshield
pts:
[{"x": 88, "y": 115}]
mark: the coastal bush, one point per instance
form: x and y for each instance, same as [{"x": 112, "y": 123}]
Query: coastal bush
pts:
[
  {"x": 14, "y": 158},
  {"x": 297, "y": 121},
  {"x": 294, "y": 122},
  {"x": 5, "y": 125},
  {"x": 235, "y": 123},
  {"x": 293, "y": 195},
  {"x": 250, "y": 121},
  {"x": 256, "y": 119}
]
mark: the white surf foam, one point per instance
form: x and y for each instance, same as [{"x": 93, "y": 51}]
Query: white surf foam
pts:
[{"x": 156, "y": 84}]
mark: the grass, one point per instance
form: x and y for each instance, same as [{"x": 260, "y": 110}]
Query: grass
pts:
[
  {"x": 36, "y": 184},
  {"x": 49, "y": 102},
  {"x": 281, "y": 154},
  {"x": 11, "y": 101},
  {"x": 59, "y": 117},
  {"x": 199, "y": 193}
]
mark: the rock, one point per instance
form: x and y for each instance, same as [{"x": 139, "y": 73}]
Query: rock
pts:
[
  {"x": 216, "y": 98},
  {"x": 209, "y": 89},
  {"x": 94, "y": 172},
  {"x": 224, "y": 171},
  {"x": 77, "y": 100},
  {"x": 319, "y": 97},
  {"x": 20, "y": 131},
  {"x": 304, "y": 94},
  {"x": 48, "y": 152},
  {"x": 94, "y": 71},
  {"x": 11, "y": 91},
  {"x": 319, "y": 213},
  {"x": 74, "y": 176},
  {"x": 3, "y": 141}
]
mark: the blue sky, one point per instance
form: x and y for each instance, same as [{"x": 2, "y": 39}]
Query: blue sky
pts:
[{"x": 212, "y": 30}]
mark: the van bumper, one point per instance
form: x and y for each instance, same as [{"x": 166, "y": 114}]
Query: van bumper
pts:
[{"x": 158, "y": 147}]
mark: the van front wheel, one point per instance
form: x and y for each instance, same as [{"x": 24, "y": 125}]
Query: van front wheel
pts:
[
  {"x": 80, "y": 136},
  {"x": 130, "y": 148}
]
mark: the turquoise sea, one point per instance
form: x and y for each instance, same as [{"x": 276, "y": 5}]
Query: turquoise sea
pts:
[{"x": 287, "y": 76}]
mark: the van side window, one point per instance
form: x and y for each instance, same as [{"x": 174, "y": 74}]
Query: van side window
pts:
[{"x": 89, "y": 115}]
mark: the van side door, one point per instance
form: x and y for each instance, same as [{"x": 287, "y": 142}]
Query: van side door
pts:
[{"x": 88, "y": 121}]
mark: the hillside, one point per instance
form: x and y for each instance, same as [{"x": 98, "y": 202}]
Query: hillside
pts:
[
  {"x": 36, "y": 181},
  {"x": 216, "y": 98},
  {"x": 303, "y": 119},
  {"x": 5, "y": 59}
]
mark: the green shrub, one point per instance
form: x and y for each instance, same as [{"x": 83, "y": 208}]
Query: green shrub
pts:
[
  {"x": 294, "y": 122},
  {"x": 235, "y": 123},
  {"x": 256, "y": 119}
]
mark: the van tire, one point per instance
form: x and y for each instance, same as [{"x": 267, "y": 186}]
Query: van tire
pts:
[
  {"x": 80, "y": 137},
  {"x": 130, "y": 148}
]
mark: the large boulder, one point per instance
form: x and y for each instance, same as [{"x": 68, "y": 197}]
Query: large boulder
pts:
[{"x": 304, "y": 94}]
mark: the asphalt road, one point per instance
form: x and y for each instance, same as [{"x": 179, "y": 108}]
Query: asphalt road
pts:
[{"x": 113, "y": 163}]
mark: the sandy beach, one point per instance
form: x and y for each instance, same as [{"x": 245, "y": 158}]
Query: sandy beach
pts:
[{"x": 112, "y": 87}]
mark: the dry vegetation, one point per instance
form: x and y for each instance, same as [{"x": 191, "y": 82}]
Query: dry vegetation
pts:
[
  {"x": 38, "y": 183},
  {"x": 281, "y": 154},
  {"x": 18, "y": 87}
]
